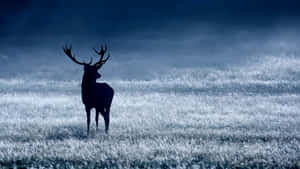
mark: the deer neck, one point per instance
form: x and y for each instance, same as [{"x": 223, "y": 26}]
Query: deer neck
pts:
[{"x": 87, "y": 84}]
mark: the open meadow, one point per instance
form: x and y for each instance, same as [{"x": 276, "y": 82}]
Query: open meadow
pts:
[{"x": 240, "y": 117}]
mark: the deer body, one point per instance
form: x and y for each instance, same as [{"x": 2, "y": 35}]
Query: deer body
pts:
[
  {"x": 98, "y": 96},
  {"x": 93, "y": 94}
]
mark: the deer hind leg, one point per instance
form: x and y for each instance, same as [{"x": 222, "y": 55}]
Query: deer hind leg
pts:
[
  {"x": 88, "y": 117},
  {"x": 106, "y": 118},
  {"x": 97, "y": 118}
]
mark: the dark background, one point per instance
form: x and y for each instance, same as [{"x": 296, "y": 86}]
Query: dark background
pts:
[{"x": 144, "y": 35}]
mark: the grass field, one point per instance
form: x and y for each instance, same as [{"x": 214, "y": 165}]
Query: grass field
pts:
[{"x": 241, "y": 117}]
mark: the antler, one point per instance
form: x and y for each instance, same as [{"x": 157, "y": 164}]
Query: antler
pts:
[
  {"x": 101, "y": 53},
  {"x": 69, "y": 53}
]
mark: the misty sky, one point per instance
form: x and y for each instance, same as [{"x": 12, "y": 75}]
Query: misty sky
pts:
[{"x": 156, "y": 29}]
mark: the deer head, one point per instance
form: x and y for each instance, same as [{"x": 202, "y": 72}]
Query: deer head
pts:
[{"x": 90, "y": 70}]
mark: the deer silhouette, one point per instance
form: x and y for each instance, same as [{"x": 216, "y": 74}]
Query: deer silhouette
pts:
[{"x": 93, "y": 94}]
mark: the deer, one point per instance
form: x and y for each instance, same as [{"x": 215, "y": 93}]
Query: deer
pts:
[{"x": 94, "y": 95}]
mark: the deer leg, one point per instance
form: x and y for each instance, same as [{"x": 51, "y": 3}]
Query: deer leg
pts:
[
  {"x": 88, "y": 117},
  {"x": 97, "y": 119},
  {"x": 106, "y": 119}
]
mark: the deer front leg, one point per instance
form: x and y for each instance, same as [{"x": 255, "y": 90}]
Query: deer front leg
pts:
[
  {"x": 88, "y": 117},
  {"x": 97, "y": 119}
]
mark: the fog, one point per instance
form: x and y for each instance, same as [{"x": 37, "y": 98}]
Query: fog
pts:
[{"x": 143, "y": 56}]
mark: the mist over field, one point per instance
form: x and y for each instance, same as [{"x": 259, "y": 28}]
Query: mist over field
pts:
[
  {"x": 139, "y": 57},
  {"x": 197, "y": 84}
]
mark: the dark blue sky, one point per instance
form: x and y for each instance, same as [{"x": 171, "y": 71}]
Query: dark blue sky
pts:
[{"x": 29, "y": 18}]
